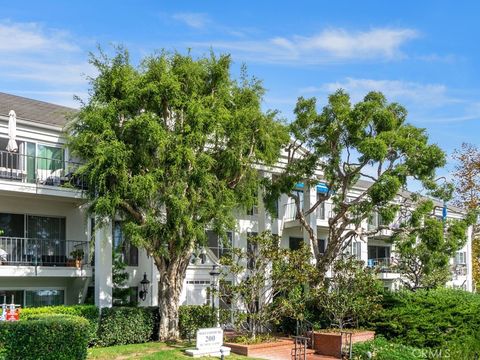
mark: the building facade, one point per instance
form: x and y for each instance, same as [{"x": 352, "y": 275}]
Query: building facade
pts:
[{"x": 52, "y": 252}]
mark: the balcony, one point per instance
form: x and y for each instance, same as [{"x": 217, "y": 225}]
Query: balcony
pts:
[
  {"x": 43, "y": 252},
  {"x": 384, "y": 265},
  {"x": 49, "y": 171}
]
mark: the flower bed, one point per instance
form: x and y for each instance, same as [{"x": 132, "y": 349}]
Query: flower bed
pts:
[
  {"x": 259, "y": 349},
  {"x": 330, "y": 343}
]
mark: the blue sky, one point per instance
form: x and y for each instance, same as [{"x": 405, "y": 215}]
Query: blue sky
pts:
[{"x": 423, "y": 54}]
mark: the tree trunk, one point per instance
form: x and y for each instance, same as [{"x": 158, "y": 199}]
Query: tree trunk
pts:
[{"x": 172, "y": 275}]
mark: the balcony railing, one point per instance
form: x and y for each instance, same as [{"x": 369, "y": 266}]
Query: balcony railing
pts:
[
  {"x": 40, "y": 170},
  {"x": 320, "y": 212},
  {"x": 42, "y": 252},
  {"x": 382, "y": 264}
]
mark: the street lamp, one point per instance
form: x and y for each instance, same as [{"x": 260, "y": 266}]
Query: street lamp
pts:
[
  {"x": 214, "y": 274},
  {"x": 144, "y": 284}
]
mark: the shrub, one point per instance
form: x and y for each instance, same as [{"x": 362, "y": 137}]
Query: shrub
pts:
[
  {"x": 381, "y": 349},
  {"x": 53, "y": 338},
  {"x": 126, "y": 325},
  {"x": 437, "y": 319},
  {"x": 89, "y": 312},
  {"x": 194, "y": 317}
]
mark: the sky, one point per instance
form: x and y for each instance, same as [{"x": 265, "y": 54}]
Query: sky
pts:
[{"x": 422, "y": 54}]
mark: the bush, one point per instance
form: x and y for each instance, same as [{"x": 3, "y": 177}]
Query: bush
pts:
[
  {"x": 381, "y": 349},
  {"x": 126, "y": 325},
  {"x": 194, "y": 317},
  {"x": 88, "y": 312},
  {"x": 54, "y": 338},
  {"x": 436, "y": 319}
]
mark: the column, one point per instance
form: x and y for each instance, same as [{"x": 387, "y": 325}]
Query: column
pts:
[
  {"x": 309, "y": 199},
  {"x": 103, "y": 265}
]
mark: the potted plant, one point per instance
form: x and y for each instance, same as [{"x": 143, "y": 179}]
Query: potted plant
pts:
[{"x": 78, "y": 255}]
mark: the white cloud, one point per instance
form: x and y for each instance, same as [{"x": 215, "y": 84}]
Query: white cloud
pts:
[
  {"x": 398, "y": 90},
  {"x": 330, "y": 45},
  {"x": 194, "y": 20},
  {"x": 28, "y": 37},
  {"x": 427, "y": 103},
  {"x": 41, "y": 60}
]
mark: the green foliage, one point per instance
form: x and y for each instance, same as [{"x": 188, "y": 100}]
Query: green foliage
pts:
[
  {"x": 351, "y": 296},
  {"x": 436, "y": 319},
  {"x": 170, "y": 146},
  {"x": 88, "y": 312},
  {"x": 60, "y": 337},
  {"x": 126, "y": 325},
  {"x": 344, "y": 143},
  {"x": 424, "y": 245},
  {"x": 122, "y": 294},
  {"x": 194, "y": 317},
  {"x": 381, "y": 349},
  {"x": 269, "y": 282}
]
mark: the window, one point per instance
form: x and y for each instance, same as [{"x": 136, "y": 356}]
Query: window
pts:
[
  {"x": 128, "y": 251},
  {"x": 378, "y": 252},
  {"x": 251, "y": 251},
  {"x": 49, "y": 158},
  {"x": 7, "y": 296},
  {"x": 294, "y": 243},
  {"x": 460, "y": 258},
  {"x": 357, "y": 249},
  {"x": 220, "y": 247},
  {"x": 36, "y": 298},
  {"x": 322, "y": 246},
  {"x": 253, "y": 210},
  {"x": 12, "y": 225}
]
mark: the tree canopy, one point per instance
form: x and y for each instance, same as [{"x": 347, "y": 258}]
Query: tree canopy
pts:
[
  {"x": 170, "y": 146},
  {"x": 342, "y": 144}
]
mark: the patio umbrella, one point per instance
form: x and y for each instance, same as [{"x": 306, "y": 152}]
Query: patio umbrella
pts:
[{"x": 12, "y": 131}]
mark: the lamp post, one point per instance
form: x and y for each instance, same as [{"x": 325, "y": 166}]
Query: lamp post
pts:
[
  {"x": 144, "y": 285},
  {"x": 214, "y": 274}
]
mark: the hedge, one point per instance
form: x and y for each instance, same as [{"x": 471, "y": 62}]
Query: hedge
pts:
[
  {"x": 60, "y": 337},
  {"x": 194, "y": 317},
  {"x": 127, "y": 325},
  {"x": 381, "y": 349},
  {"x": 89, "y": 312},
  {"x": 437, "y": 319}
]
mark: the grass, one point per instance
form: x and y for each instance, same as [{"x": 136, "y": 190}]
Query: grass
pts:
[{"x": 148, "y": 351}]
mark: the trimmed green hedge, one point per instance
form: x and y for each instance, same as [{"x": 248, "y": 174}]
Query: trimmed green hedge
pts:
[
  {"x": 194, "y": 317},
  {"x": 88, "y": 312},
  {"x": 381, "y": 349},
  {"x": 437, "y": 319},
  {"x": 126, "y": 325},
  {"x": 54, "y": 338}
]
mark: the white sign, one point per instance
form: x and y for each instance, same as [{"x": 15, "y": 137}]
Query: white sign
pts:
[{"x": 210, "y": 339}]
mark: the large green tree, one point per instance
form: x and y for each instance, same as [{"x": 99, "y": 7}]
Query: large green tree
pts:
[
  {"x": 342, "y": 144},
  {"x": 170, "y": 146},
  {"x": 425, "y": 243}
]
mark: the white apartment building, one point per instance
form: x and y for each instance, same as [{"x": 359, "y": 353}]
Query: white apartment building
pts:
[{"x": 52, "y": 253}]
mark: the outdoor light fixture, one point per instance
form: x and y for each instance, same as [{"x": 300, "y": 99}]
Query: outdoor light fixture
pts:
[{"x": 144, "y": 284}]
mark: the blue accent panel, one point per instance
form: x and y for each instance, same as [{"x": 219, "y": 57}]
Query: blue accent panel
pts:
[
  {"x": 322, "y": 188},
  {"x": 299, "y": 186}
]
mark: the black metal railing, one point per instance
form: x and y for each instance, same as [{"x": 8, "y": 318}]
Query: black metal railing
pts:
[
  {"x": 40, "y": 170},
  {"x": 304, "y": 328},
  {"x": 43, "y": 252}
]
